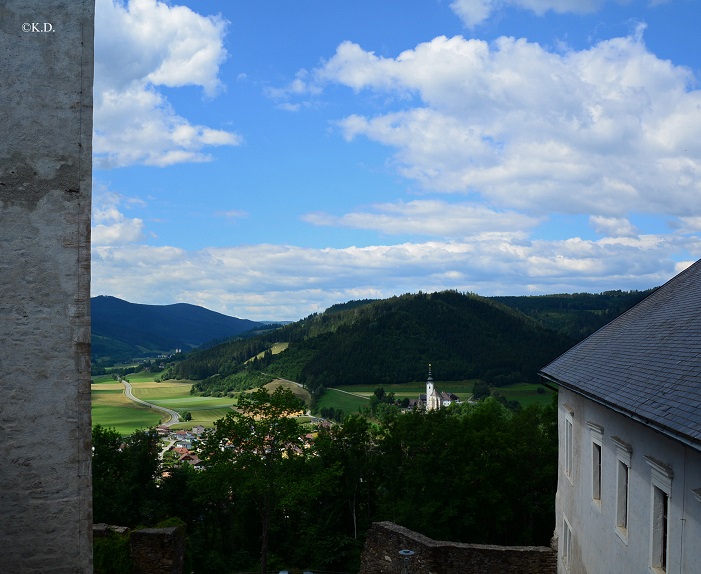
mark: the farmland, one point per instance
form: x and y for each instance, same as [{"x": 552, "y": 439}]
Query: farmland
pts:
[{"x": 110, "y": 408}]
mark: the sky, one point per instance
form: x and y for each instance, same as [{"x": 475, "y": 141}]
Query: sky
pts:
[{"x": 267, "y": 159}]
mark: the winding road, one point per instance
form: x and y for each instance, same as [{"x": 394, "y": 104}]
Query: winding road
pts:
[{"x": 174, "y": 417}]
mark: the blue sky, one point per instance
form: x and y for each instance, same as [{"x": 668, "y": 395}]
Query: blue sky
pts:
[{"x": 267, "y": 159}]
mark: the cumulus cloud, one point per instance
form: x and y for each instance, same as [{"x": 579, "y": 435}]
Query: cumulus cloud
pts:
[
  {"x": 110, "y": 226},
  {"x": 431, "y": 217},
  {"x": 474, "y": 12},
  {"x": 613, "y": 226},
  {"x": 598, "y": 131},
  {"x": 289, "y": 282},
  {"x": 141, "y": 45}
]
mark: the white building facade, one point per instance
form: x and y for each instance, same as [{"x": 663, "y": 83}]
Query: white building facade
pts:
[
  {"x": 611, "y": 497},
  {"x": 629, "y": 422}
]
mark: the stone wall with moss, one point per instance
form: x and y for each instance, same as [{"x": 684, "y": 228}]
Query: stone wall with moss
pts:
[{"x": 385, "y": 540}]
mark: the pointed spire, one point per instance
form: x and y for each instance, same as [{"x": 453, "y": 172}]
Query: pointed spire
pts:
[{"x": 430, "y": 378}]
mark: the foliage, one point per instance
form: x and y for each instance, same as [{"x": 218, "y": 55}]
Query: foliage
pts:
[
  {"x": 219, "y": 386},
  {"x": 576, "y": 315},
  {"x": 269, "y": 497},
  {"x": 261, "y": 446},
  {"x": 391, "y": 341},
  {"x": 496, "y": 470},
  {"x": 111, "y": 554},
  {"x": 124, "y": 473}
]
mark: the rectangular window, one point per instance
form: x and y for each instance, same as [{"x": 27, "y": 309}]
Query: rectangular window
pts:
[
  {"x": 660, "y": 528},
  {"x": 597, "y": 433},
  {"x": 661, "y": 478},
  {"x": 623, "y": 455},
  {"x": 569, "y": 443},
  {"x": 566, "y": 543},
  {"x": 596, "y": 473},
  {"x": 622, "y": 498}
]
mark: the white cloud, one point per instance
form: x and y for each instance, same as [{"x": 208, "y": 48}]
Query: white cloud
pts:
[
  {"x": 110, "y": 226},
  {"x": 613, "y": 226},
  {"x": 433, "y": 218},
  {"x": 474, "y": 12},
  {"x": 288, "y": 282},
  {"x": 601, "y": 131},
  {"x": 139, "y": 46}
]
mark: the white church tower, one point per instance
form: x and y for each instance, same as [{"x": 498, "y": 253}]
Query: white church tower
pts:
[{"x": 433, "y": 401}]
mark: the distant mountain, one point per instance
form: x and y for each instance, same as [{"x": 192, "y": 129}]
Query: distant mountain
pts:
[
  {"x": 123, "y": 330},
  {"x": 393, "y": 341}
]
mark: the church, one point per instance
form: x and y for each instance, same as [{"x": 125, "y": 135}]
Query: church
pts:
[{"x": 433, "y": 400}]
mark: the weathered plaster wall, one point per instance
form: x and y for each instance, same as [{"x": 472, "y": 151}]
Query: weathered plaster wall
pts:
[{"x": 46, "y": 73}]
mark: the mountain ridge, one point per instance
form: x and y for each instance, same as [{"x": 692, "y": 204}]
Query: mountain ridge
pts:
[{"x": 122, "y": 330}]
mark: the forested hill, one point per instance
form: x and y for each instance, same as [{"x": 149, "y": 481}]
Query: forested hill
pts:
[
  {"x": 576, "y": 315},
  {"x": 123, "y": 330},
  {"x": 393, "y": 341}
]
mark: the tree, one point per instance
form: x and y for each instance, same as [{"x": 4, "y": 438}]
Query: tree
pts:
[
  {"x": 124, "y": 476},
  {"x": 259, "y": 445}
]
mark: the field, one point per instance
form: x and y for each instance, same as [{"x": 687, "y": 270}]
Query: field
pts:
[
  {"x": 356, "y": 396},
  {"x": 527, "y": 394},
  {"x": 110, "y": 408},
  {"x": 347, "y": 402}
]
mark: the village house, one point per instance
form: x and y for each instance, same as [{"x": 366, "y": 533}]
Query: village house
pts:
[{"x": 629, "y": 476}]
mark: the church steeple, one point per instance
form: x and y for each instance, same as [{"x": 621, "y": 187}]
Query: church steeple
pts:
[{"x": 432, "y": 398}]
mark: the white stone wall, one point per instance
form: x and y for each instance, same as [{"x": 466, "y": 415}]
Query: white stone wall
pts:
[
  {"x": 596, "y": 546},
  {"x": 46, "y": 73}
]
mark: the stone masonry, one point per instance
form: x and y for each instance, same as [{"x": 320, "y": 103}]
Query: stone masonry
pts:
[
  {"x": 46, "y": 74},
  {"x": 385, "y": 540}
]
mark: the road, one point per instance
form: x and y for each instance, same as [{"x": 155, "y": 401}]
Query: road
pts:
[{"x": 174, "y": 417}]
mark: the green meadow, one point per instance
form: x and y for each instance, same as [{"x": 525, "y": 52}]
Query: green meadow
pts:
[
  {"x": 356, "y": 396},
  {"x": 527, "y": 394},
  {"x": 110, "y": 408},
  {"x": 348, "y": 403}
]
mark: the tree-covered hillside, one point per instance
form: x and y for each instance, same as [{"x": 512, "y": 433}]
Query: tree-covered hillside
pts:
[
  {"x": 576, "y": 315},
  {"x": 123, "y": 330},
  {"x": 392, "y": 341}
]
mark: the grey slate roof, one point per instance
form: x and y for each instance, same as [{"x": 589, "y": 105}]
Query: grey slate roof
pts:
[{"x": 647, "y": 362}]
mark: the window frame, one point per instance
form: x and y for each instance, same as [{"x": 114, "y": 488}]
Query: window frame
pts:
[
  {"x": 597, "y": 458},
  {"x": 624, "y": 454},
  {"x": 660, "y": 504},
  {"x": 568, "y": 463},
  {"x": 567, "y": 540}
]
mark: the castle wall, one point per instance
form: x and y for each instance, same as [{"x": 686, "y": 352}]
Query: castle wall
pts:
[
  {"x": 46, "y": 73},
  {"x": 385, "y": 540}
]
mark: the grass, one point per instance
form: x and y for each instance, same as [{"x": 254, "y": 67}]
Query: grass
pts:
[
  {"x": 275, "y": 349},
  {"x": 111, "y": 408},
  {"x": 348, "y": 403},
  {"x": 527, "y": 394},
  {"x": 298, "y": 391},
  {"x": 140, "y": 377}
]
